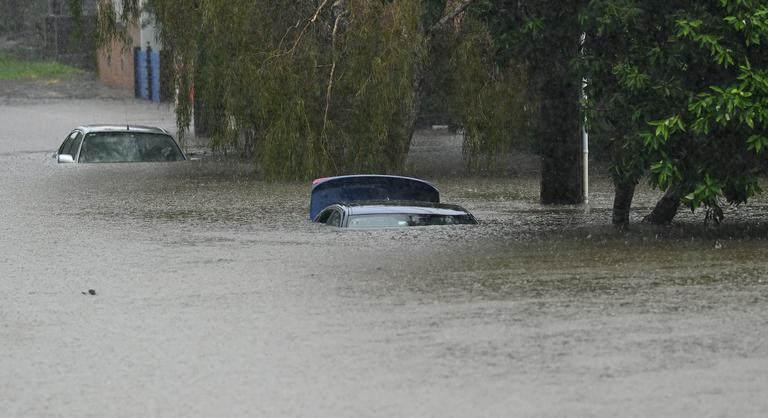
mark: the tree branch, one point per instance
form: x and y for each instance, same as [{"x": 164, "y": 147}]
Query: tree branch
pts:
[
  {"x": 296, "y": 41},
  {"x": 329, "y": 90},
  {"x": 452, "y": 14},
  {"x": 309, "y": 22}
]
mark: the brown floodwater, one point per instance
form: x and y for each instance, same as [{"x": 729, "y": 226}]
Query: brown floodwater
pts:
[{"x": 215, "y": 296}]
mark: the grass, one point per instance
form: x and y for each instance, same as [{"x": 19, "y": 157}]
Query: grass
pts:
[{"x": 12, "y": 68}]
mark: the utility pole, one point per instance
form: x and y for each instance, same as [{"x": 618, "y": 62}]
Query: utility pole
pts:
[
  {"x": 584, "y": 134},
  {"x": 585, "y": 148}
]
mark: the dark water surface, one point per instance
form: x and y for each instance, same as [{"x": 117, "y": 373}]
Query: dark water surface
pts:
[{"x": 215, "y": 296}]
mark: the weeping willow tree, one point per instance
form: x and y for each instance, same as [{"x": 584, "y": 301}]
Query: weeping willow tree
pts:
[
  {"x": 320, "y": 87},
  {"x": 305, "y": 88},
  {"x": 489, "y": 99}
]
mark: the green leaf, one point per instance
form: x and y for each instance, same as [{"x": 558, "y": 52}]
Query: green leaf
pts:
[{"x": 757, "y": 143}]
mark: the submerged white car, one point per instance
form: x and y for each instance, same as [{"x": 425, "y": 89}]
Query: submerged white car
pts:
[
  {"x": 118, "y": 144},
  {"x": 377, "y": 201}
]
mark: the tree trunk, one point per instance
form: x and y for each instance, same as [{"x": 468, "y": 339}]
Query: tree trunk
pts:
[
  {"x": 560, "y": 134},
  {"x": 666, "y": 208},
  {"x": 622, "y": 202},
  {"x": 558, "y": 87},
  {"x": 417, "y": 84}
]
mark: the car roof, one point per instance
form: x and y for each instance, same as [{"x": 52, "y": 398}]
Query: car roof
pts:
[
  {"x": 395, "y": 207},
  {"x": 121, "y": 128},
  {"x": 316, "y": 182}
]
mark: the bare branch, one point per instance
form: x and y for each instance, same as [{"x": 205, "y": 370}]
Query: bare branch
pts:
[
  {"x": 292, "y": 49},
  {"x": 282, "y": 40},
  {"x": 309, "y": 22},
  {"x": 452, "y": 14},
  {"x": 317, "y": 12},
  {"x": 329, "y": 90}
]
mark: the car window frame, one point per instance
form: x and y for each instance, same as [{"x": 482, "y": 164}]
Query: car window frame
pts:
[
  {"x": 326, "y": 214},
  {"x": 76, "y": 145},
  {"x": 337, "y": 212},
  {"x": 67, "y": 144}
]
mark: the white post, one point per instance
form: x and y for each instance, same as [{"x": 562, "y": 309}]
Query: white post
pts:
[
  {"x": 584, "y": 134},
  {"x": 585, "y": 153}
]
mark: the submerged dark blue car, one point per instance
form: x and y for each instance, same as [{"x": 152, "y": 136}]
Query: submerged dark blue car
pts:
[{"x": 377, "y": 201}]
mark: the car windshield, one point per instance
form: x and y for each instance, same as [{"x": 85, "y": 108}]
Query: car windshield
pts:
[
  {"x": 404, "y": 220},
  {"x": 112, "y": 147}
]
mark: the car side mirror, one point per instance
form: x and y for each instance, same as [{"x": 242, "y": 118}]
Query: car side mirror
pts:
[{"x": 65, "y": 158}]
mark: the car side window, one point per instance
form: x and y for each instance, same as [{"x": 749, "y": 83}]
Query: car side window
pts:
[
  {"x": 66, "y": 147},
  {"x": 334, "y": 219},
  {"x": 76, "y": 145}
]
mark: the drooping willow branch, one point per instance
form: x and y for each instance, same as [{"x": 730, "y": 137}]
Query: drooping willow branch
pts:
[
  {"x": 296, "y": 42},
  {"x": 329, "y": 89}
]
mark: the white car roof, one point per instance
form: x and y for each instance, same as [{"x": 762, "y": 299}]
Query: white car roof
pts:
[
  {"x": 425, "y": 209},
  {"x": 121, "y": 128}
]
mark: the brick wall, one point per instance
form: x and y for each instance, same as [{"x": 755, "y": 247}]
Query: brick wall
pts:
[{"x": 115, "y": 64}]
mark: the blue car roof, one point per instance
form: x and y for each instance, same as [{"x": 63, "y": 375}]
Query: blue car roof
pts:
[{"x": 367, "y": 187}]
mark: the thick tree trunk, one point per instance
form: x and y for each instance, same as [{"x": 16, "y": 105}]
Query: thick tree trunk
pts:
[
  {"x": 558, "y": 87},
  {"x": 622, "y": 202},
  {"x": 666, "y": 208},
  {"x": 560, "y": 134}
]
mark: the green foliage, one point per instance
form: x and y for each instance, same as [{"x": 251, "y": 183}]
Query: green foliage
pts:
[
  {"x": 707, "y": 192},
  {"x": 682, "y": 90},
  {"x": 542, "y": 38},
  {"x": 310, "y": 88},
  {"x": 110, "y": 21},
  {"x": 467, "y": 88},
  {"x": 488, "y": 98},
  {"x": 677, "y": 90},
  {"x": 76, "y": 12},
  {"x": 306, "y": 88},
  {"x": 438, "y": 105},
  {"x": 381, "y": 44}
]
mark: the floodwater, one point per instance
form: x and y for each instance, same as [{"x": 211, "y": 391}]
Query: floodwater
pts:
[{"x": 215, "y": 296}]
